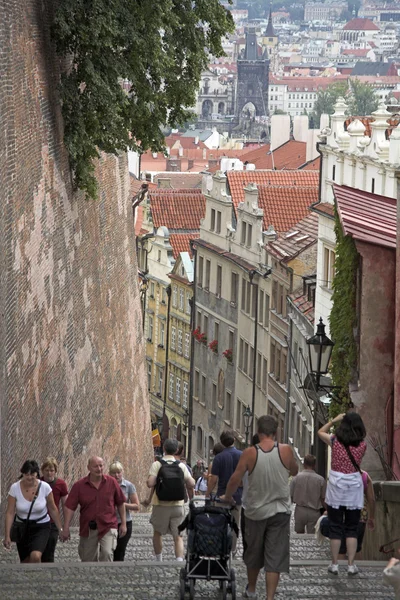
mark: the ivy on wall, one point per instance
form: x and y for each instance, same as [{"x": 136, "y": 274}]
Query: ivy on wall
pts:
[
  {"x": 343, "y": 318},
  {"x": 159, "y": 48}
]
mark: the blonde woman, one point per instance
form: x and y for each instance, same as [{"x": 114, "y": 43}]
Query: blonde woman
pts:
[
  {"x": 132, "y": 503},
  {"x": 60, "y": 494}
]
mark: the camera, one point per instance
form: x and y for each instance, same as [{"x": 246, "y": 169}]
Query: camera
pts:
[{"x": 92, "y": 525}]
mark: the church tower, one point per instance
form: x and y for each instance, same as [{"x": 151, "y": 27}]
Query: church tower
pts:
[{"x": 252, "y": 78}]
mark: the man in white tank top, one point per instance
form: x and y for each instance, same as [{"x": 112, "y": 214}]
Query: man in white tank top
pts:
[{"x": 268, "y": 506}]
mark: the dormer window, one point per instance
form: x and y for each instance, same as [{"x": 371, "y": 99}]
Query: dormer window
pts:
[
  {"x": 249, "y": 234},
  {"x": 218, "y": 229},
  {"x": 244, "y": 228}
]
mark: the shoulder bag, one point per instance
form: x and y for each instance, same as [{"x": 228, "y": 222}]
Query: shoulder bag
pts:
[
  {"x": 351, "y": 457},
  {"x": 20, "y": 528}
]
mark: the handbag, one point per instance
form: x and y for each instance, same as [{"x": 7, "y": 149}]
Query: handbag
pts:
[{"x": 20, "y": 528}]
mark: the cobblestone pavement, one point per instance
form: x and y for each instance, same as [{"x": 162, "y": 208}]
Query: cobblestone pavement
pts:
[{"x": 140, "y": 578}]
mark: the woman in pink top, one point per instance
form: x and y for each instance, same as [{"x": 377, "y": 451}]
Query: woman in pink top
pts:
[{"x": 345, "y": 492}]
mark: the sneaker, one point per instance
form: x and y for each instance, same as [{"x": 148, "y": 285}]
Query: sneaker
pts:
[
  {"x": 180, "y": 559},
  {"x": 334, "y": 569},
  {"x": 352, "y": 570},
  {"x": 248, "y": 594}
]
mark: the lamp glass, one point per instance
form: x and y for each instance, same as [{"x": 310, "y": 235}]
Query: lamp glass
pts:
[{"x": 247, "y": 418}]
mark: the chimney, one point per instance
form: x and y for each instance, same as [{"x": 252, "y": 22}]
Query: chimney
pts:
[
  {"x": 190, "y": 163},
  {"x": 180, "y": 151},
  {"x": 204, "y": 153},
  {"x": 164, "y": 183},
  {"x": 173, "y": 164},
  {"x": 270, "y": 235},
  {"x": 213, "y": 164},
  {"x": 196, "y": 140}
]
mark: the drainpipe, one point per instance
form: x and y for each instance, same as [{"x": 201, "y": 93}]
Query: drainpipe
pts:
[
  {"x": 192, "y": 320},
  {"x": 168, "y": 290},
  {"x": 253, "y": 389}
]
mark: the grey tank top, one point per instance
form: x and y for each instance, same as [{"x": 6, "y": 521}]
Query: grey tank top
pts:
[{"x": 268, "y": 492}]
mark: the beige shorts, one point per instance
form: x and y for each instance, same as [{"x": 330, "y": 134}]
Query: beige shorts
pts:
[
  {"x": 166, "y": 519},
  {"x": 267, "y": 543}
]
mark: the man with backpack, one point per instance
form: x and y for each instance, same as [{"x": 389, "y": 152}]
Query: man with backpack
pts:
[{"x": 168, "y": 477}]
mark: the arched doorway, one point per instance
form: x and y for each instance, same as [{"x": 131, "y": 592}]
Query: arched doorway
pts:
[
  {"x": 249, "y": 110},
  {"x": 173, "y": 430},
  {"x": 207, "y": 108},
  {"x": 221, "y": 108}
]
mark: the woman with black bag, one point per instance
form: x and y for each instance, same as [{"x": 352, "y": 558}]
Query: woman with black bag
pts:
[
  {"x": 27, "y": 519},
  {"x": 345, "y": 491}
]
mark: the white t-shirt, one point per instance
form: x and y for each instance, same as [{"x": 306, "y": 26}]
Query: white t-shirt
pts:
[{"x": 22, "y": 505}]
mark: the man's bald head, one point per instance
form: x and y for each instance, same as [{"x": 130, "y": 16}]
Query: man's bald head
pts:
[{"x": 96, "y": 467}]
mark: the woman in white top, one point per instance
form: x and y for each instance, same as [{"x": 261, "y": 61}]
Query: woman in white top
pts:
[{"x": 35, "y": 532}]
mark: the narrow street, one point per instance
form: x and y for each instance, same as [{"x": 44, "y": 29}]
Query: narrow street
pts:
[{"x": 141, "y": 578}]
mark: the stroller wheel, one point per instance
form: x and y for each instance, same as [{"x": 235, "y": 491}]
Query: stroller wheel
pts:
[
  {"x": 233, "y": 589},
  {"x": 191, "y": 589},
  {"x": 232, "y": 575},
  {"x": 224, "y": 588}
]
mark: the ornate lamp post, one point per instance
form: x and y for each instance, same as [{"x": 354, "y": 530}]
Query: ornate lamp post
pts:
[
  {"x": 248, "y": 421},
  {"x": 320, "y": 350}
]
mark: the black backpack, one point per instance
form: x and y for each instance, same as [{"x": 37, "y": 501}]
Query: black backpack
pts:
[{"x": 170, "y": 484}]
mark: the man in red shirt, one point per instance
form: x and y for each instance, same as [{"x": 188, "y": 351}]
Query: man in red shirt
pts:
[{"x": 98, "y": 496}]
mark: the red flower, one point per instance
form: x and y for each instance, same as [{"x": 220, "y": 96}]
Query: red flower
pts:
[
  {"x": 228, "y": 354},
  {"x": 213, "y": 346}
]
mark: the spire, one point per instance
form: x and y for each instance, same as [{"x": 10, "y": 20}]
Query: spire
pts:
[{"x": 269, "y": 32}]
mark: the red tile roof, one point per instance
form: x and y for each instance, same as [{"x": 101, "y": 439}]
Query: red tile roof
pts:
[
  {"x": 177, "y": 209},
  {"x": 312, "y": 165},
  {"x": 180, "y": 242},
  {"x": 367, "y": 217},
  {"x": 188, "y": 143},
  {"x": 305, "y": 306},
  {"x": 296, "y": 239},
  {"x": 237, "y": 180},
  {"x": 325, "y": 207},
  {"x": 284, "y": 206},
  {"x": 137, "y": 184},
  {"x": 356, "y": 51},
  {"x": 392, "y": 123},
  {"x": 359, "y": 24},
  {"x": 180, "y": 180},
  {"x": 290, "y": 155}
]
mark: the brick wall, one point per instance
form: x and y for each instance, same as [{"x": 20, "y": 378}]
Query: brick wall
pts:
[{"x": 72, "y": 372}]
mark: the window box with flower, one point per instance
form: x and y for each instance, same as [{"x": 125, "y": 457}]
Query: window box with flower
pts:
[
  {"x": 228, "y": 353},
  {"x": 214, "y": 346}
]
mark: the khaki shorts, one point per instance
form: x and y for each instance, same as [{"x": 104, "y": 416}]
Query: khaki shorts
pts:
[
  {"x": 267, "y": 543},
  {"x": 166, "y": 519}
]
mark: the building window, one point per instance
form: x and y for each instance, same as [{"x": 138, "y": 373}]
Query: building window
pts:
[
  {"x": 272, "y": 357},
  {"x": 208, "y": 272},
  {"x": 188, "y": 307},
  {"x": 196, "y": 387},
  {"x": 264, "y": 375},
  {"x": 216, "y": 331},
  {"x": 243, "y": 302},
  {"x": 231, "y": 340},
  {"x": 258, "y": 369},
  {"x": 214, "y": 397},
  {"x": 245, "y": 357},
  {"x": 234, "y": 287},
  {"x": 249, "y": 235},
  {"x": 150, "y": 329},
  {"x": 163, "y": 295},
  {"x": 185, "y": 394},
  {"x": 205, "y": 325},
  {"x": 228, "y": 406},
  {"x": 200, "y": 272},
  {"x": 251, "y": 365},
  {"x": 203, "y": 389},
  {"x": 162, "y": 335},
  {"x": 218, "y": 230},
  {"x": 261, "y": 307},
  {"x": 219, "y": 281},
  {"x": 180, "y": 340},
  {"x": 198, "y": 321},
  {"x": 243, "y": 238},
  {"x": 238, "y": 414},
  {"x": 329, "y": 267},
  {"x": 212, "y": 225},
  {"x": 199, "y": 440},
  {"x": 173, "y": 338},
  {"x": 333, "y": 172},
  {"x": 277, "y": 369},
  {"x": 372, "y": 185},
  {"x": 160, "y": 381},
  {"x": 266, "y": 310},
  {"x": 178, "y": 391},
  {"x": 174, "y": 296},
  {"x": 181, "y": 299},
  {"x": 248, "y": 297},
  {"x": 148, "y": 375},
  {"x": 274, "y": 295},
  {"x": 187, "y": 345},
  {"x": 152, "y": 290},
  {"x": 241, "y": 346},
  {"x": 171, "y": 386},
  {"x": 283, "y": 367}
]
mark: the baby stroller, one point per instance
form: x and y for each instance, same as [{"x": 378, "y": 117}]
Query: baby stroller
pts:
[{"x": 209, "y": 544}]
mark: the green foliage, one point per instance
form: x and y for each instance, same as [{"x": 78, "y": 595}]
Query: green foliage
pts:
[
  {"x": 343, "y": 318},
  {"x": 363, "y": 100},
  {"x": 160, "y": 46},
  {"x": 326, "y": 100}
]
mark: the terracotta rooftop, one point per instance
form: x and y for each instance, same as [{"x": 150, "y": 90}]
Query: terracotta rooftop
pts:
[
  {"x": 180, "y": 180},
  {"x": 289, "y": 244},
  {"x": 290, "y": 155},
  {"x": 237, "y": 180},
  {"x": 326, "y": 208},
  {"x": 359, "y": 24},
  {"x": 356, "y": 51},
  {"x": 367, "y": 217},
  {"x": 180, "y": 242},
  {"x": 137, "y": 184},
  {"x": 284, "y": 206},
  {"x": 312, "y": 165},
  {"x": 188, "y": 143},
  {"x": 304, "y": 305},
  {"x": 179, "y": 210},
  {"x": 229, "y": 255},
  {"x": 392, "y": 123}
]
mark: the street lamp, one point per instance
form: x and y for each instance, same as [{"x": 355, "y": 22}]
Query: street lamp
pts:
[
  {"x": 248, "y": 421},
  {"x": 320, "y": 350}
]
